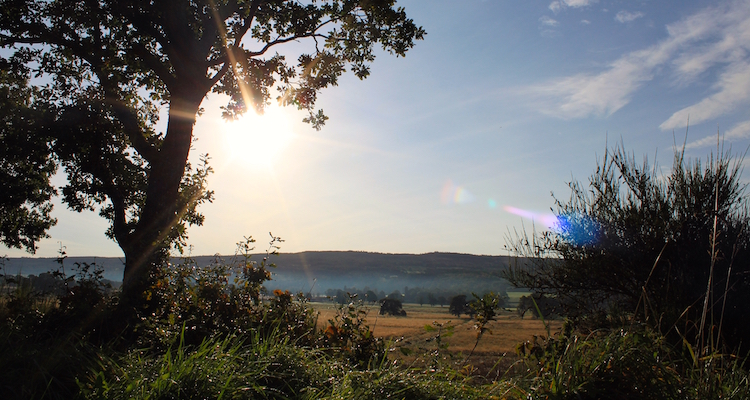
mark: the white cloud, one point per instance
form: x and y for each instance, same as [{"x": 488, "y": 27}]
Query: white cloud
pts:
[
  {"x": 713, "y": 36},
  {"x": 545, "y": 20},
  {"x": 579, "y": 3},
  {"x": 739, "y": 131},
  {"x": 585, "y": 22},
  {"x": 627, "y": 16},
  {"x": 558, "y": 5},
  {"x": 733, "y": 89},
  {"x": 600, "y": 94}
]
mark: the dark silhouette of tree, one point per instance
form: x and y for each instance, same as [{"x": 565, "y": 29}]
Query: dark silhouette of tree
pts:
[
  {"x": 106, "y": 67},
  {"x": 658, "y": 246},
  {"x": 459, "y": 306},
  {"x": 26, "y": 163},
  {"x": 371, "y": 296},
  {"x": 392, "y": 306}
]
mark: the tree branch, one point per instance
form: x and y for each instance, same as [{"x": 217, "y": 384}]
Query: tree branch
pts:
[{"x": 218, "y": 75}]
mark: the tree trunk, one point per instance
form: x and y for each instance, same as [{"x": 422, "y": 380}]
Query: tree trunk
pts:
[{"x": 146, "y": 248}]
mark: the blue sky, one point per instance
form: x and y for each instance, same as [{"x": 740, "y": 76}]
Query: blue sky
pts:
[{"x": 465, "y": 139}]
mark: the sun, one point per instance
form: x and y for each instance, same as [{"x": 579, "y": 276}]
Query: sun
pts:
[{"x": 258, "y": 140}]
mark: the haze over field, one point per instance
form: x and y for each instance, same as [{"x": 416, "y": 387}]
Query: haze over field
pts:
[{"x": 448, "y": 148}]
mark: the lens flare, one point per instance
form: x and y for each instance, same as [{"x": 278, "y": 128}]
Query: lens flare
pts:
[
  {"x": 579, "y": 229},
  {"x": 455, "y": 194},
  {"x": 549, "y": 220},
  {"x": 576, "y": 229}
]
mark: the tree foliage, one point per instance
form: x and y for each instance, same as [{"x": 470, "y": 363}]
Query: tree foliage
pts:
[
  {"x": 636, "y": 241},
  {"x": 459, "y": 306},
  {"x": 86, "y": 81},
  {"x": 392, "y": 306},
  {"x": 26, "y": 163}
]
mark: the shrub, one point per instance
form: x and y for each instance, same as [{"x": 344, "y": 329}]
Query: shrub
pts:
[
  {"x": 637, "y": 242},
  {"x": 349, "y": 335},
  {"x": 224, "y": 298}
]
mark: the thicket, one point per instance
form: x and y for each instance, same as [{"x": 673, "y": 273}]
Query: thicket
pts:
[{"x": 671, "y": 251}]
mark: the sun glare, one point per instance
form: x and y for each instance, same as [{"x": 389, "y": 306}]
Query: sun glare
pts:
[{"x": 258, "y": 140}]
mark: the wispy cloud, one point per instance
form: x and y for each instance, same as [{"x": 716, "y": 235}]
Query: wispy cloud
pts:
[
  {"x": 602, "y": 94},
  {"x": 714, "y": 36},
  {"x": 547, "y": 21},
  {"x": 585, "y": 22},
  {"x": 733, "y": 88},
  {"x": 627, "y": 16},
  {"x": 739, "y": 131}
]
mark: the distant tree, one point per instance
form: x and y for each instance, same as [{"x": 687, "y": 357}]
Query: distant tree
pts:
[
  {"x": 421, "y": 300},
  {"x": 48, "y": 283},
  {"x": 431, "y": 299},
  {"x": 535, "y": 303},
  {"x": 392, "y": 306},
  {"x": 442, "y": 301},
  {"x": 667, "y": 248},
  {"x": 341, "y": 297},
  {"x": 459, "y": 305},
  {"x": 371, "y": 296},
  {"x": 84, "y": 82}
]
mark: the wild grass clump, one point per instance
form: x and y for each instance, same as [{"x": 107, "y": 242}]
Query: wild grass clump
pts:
[
  {"x": 615, "y": 365},
  {"x": 403, "y": 383},
  {"x": 636, "y": 363},
  {"x": 228, "y": 368},
  {"x": 253, "y": 366}
]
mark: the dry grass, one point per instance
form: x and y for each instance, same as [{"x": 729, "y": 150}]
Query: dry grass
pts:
[
  {"x": 508, "y": 331},
  {"x": 409, "y": 332}
]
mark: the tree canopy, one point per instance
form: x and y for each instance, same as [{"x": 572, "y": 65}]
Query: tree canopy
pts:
[
  {"x": 86, "y": 80},
  {"x": 672, "y": 250}
]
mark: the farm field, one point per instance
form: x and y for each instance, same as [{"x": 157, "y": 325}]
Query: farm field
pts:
[{"x": 409, "y": 332}]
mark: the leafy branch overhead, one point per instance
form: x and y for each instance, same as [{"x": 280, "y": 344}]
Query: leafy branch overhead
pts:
[{"x": 94, "y": 76}]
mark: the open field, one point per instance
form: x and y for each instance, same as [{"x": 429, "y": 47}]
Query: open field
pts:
[{"x": 409, "y": 332}]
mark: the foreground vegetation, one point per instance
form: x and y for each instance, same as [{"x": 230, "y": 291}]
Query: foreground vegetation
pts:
[{"x": 215, "y": 335}]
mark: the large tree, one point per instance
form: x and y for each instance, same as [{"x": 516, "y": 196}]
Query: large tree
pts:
[{"x": 91, "y": 77}]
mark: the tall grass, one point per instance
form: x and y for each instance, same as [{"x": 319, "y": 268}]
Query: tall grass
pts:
[{"x": 257, "y": 367}]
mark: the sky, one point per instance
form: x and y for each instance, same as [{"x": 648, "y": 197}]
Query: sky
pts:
[{"x": 468, "y": 138}]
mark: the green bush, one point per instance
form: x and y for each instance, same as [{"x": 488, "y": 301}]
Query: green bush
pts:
[
  {"x": 349, "y": 336},
  {"x": 223, "y": 298},
  {"x": 638, "y": 243}
]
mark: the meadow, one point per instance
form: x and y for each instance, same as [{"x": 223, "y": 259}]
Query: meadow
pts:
[{"x": 508, "y": 330}]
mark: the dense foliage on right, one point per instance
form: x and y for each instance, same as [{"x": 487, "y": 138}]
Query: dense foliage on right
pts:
[{"x": 670, "y": 250}]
